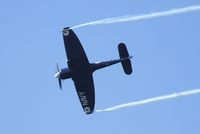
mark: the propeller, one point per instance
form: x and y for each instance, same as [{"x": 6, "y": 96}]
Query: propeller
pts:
[{"x": 57, "y": 75}]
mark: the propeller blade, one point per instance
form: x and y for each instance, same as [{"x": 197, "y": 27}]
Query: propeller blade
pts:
[
  {"x": 57, "y": 67},
  {"x": 57, "y": 75},
  {"x": 60, "y": 83}
]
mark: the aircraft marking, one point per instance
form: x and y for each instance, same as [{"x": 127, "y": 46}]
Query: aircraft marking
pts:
[
  {"x": 87, "y": 110},
  {"x": 83, "y": 98},
  {"x": 65, "y": 32}
]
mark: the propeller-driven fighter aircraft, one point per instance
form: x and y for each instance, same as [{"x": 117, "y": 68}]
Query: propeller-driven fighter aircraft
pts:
[{"x": 80, "y": 70}]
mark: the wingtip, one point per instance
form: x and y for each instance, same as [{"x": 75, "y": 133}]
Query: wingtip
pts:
[
  {"x": 87, "y": 110},
  {"x": 66, "y": 31},
  {"x": 66, "y": 28}
]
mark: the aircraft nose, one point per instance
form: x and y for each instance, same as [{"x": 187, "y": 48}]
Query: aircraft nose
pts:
[{"x": 57, "y": 75}]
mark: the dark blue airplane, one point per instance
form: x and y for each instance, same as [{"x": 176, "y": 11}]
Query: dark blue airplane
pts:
[{"x": 81, "y": 70}]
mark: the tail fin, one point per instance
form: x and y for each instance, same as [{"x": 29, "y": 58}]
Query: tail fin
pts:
[{"x": 126, "y": 63}]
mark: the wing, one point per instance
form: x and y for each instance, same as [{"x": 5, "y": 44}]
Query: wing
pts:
[
  {"x": 85, "y": 89},
  {"x": 75, "y": 53}
]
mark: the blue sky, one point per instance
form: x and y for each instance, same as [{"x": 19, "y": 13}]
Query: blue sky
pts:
[{"x": 165, "y": 60}]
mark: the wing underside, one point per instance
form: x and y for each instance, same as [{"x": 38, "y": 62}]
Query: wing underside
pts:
[
  {"x": 75, "y": 53},
  {"x": 85, "y": 89},
  {"x": 79, "y": 64}
]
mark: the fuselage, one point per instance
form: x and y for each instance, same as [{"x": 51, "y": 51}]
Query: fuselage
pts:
[{"x": 67, "y": 73}]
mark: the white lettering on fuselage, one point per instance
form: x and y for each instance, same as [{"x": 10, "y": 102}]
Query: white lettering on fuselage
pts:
[{"x": 83, "y": 98}]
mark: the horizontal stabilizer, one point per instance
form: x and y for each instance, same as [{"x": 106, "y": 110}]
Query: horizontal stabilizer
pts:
[{"x": 124, "y": 56}]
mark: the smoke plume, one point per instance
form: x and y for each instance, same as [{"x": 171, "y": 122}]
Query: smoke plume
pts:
[
  {"x": 151, "y": 100},
  {"x": 140, "y": 17}
]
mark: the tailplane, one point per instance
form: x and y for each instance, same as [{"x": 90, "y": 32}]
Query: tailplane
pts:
[{"x": 124, "y": 56}]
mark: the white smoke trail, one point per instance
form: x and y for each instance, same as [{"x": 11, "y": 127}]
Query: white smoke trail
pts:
[
  {"x": 151, "y": 100},
  {"x": 140, "y": 17}
]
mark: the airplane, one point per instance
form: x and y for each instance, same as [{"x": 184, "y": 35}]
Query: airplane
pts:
[{"x": 80, "y": 70}]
